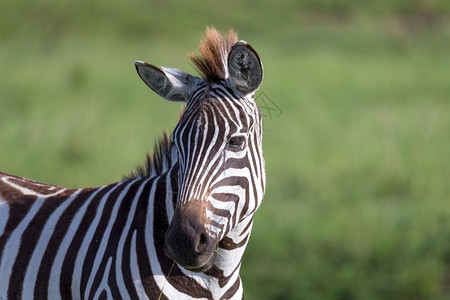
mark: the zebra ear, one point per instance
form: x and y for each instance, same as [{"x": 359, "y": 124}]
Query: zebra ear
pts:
[
  {"x": 245, "y": 68},
  {"x": 171, "y": 84}
]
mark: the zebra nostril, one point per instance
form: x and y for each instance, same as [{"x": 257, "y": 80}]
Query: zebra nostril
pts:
[{"x": 202, "y": 243}]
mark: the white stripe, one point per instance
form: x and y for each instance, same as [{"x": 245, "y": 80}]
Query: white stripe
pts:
[
  {"x": 205, "y": 165},
  {"x": 135, "y": 270},
  {"x": 208, "y": 174},
  {"x": 119, "y": 274},
  {"x": 158, "y": 274},
  {"x": 169, "y": 198},
  {"x": 76, "y": 278},
  {"x": 184, "y": 192},
  {"x": 11, "y": 248},
  {"x": 151, "y": 251},
  {"x": 104, "y": 283},
  {"x": 39, "y": 250},
  {"x": 55, "y": 275},
  {"x": 105, "y": 239},
  {"x": 4, "y": 215},
  {"x": 27, "y": 191}
]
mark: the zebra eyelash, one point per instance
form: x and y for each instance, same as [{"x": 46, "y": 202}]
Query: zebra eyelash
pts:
[{"x": 237, "y": 142}]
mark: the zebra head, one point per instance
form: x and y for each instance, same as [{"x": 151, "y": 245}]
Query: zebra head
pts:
[{"x": 218, "y": 146}]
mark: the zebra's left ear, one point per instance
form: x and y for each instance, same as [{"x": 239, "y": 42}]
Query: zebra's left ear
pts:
[
  {"x": 171, "y": 84},
  {"x": 245, "y": 68}
]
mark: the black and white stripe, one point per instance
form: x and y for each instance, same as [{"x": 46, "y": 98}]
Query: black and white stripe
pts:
[{"x": 176, "y": 228}]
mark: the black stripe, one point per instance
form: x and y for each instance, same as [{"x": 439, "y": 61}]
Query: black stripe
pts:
[
  {"x": 74, "y": 247},
  {"x": 18, "y": 211},
  {"x": 61, "y": 227},
  {"x": 177, "y": 279},
  {"x": 232, "y": 290},
  {"x": 88, "y": 263},
  {"x": 103, "y": 295},
  {"x": 113, "y": 239},
  {"x": 145, "y": 271},
  {"x": 29, "y": 239}
]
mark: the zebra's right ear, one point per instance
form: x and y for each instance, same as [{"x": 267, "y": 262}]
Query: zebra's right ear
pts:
[
  {"x": 171, "y": 84},
  {"x": 245, "y": 68}
]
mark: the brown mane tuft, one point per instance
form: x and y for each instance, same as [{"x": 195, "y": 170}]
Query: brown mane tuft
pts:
[
  {"x": 214, "y": 48},
  {"x": 211, "y": 63}
]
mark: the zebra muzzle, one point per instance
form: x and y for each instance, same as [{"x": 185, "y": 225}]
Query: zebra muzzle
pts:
[{"x": 187, "y": 242}]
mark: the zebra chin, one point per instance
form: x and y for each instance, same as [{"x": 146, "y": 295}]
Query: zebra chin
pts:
[
  {"x": 193, "y": 260},
  {"x": 201, "y": 268},
  {"x": 186, "y": 240}
]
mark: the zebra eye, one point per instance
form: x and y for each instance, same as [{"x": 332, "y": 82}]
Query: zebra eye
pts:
[{"x": 236, "y": 142}]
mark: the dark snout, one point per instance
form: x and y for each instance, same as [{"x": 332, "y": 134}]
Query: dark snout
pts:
[{"x": 186, "y": 240}]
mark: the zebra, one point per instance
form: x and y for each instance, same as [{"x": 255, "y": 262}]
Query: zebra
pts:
[{"x": 178, "y": 225}]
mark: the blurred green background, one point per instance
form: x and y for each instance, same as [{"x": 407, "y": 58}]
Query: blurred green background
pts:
[{"x": 356, "y": 98}]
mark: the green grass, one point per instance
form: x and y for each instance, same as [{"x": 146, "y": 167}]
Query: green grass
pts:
[{"x": 357, "y": 202}]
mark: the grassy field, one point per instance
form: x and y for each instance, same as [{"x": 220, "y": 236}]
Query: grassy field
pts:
[{"x": 356, "y": 99}]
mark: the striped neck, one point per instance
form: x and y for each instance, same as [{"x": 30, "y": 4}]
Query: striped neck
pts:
[{"x": 223, "y": 278}]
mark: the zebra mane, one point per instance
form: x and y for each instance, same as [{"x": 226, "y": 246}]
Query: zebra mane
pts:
[
  {"x": 214, "y": 48},
  {"x": 157, "y": 162}
]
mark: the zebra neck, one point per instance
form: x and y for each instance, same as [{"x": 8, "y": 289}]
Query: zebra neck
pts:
[{"x": 222, "y": 279}]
